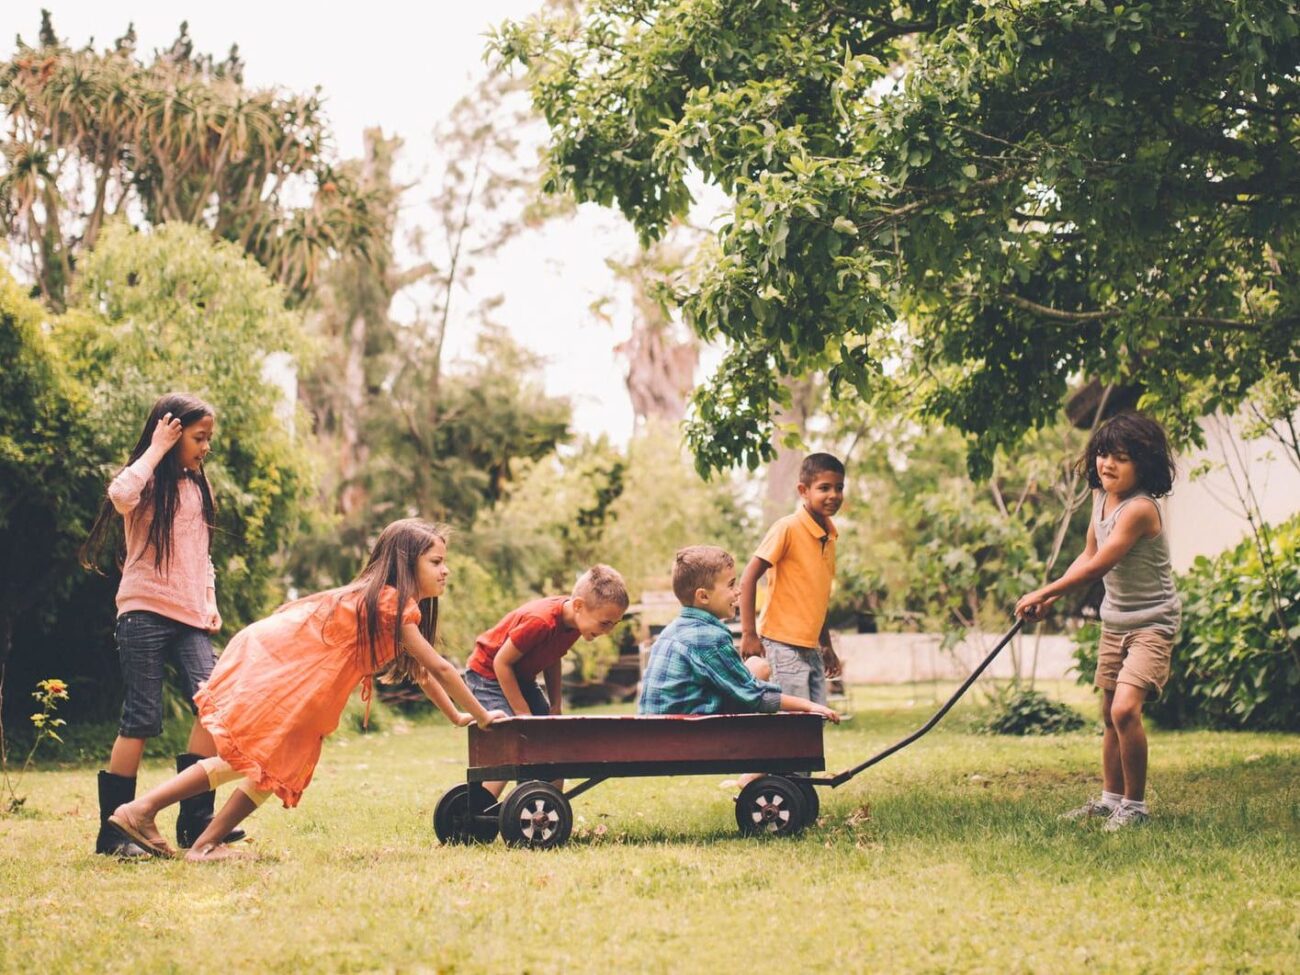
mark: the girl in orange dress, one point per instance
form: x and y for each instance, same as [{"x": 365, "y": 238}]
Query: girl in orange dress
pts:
[{"x": 281, "y": 685}]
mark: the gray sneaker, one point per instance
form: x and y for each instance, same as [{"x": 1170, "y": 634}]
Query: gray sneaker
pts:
[
  {"x": 1124, "y": 817},
  {"x": 1093, "y": 807}
]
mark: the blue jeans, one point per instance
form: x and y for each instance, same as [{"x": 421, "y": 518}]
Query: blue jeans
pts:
[
  {"x": 489, "y": 694},
  {"x": 143, "y": 641},
  {"x": 799, "y": 670}
]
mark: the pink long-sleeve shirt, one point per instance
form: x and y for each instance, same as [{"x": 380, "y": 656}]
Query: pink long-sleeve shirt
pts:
[{"x": 185, "y": 589}]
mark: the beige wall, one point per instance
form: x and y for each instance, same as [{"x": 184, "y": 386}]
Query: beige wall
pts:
[{"x": 1204, "y": 514}]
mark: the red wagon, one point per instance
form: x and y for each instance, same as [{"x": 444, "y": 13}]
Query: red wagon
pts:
[{"x": 787, "y": 748}]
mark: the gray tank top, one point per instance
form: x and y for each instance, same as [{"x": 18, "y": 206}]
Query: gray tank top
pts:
[{"x": 1140, "y": 591}]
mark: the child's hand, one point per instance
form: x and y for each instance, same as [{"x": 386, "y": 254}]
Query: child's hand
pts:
[
  {"x": 831, "y": 661},
  {"x": 832, "y": 716},
  {"x": 165, "y": 433},
  {"x": 751, "y": 645},
  {"x": 490, "y": 717},
  {"x": 463, "y": 719},
  {"x": 1033, "y": 606}
]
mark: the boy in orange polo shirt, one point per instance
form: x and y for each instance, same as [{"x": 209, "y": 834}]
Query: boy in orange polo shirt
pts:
[{"x": 799, "y": 551}]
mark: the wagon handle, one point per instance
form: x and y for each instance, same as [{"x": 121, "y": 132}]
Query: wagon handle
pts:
[{"x": 844, "y": 776}]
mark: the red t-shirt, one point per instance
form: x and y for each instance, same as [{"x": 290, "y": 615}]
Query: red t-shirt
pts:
[{"x": 537, "y": 629}]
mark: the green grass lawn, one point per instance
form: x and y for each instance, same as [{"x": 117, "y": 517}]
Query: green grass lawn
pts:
[{"x": 946, "y": 857}]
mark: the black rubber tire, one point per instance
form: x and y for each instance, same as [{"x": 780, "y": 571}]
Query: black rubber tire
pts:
[
  {"x": 771, "y": 806},
  {"x": 536, "y": 815},
  {"x": 451, "y": 820},
  {"x": 812, "y": 801}
]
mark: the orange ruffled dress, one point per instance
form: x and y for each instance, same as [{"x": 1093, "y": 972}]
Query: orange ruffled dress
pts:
[{"x": 281, "y": 685}]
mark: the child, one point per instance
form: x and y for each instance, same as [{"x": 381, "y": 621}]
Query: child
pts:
[
  {"x": 800, "y": 552},
  {"x": 282, "y": 683},
  {"x": 1128, "y": 463},
  {"x": 166, "y": 600},
  {"x": 532, "y": 639},
  {"x": 694, "y": 667}
]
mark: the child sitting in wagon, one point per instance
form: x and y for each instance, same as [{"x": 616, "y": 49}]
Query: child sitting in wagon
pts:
[{"x": 694, "y": 666}]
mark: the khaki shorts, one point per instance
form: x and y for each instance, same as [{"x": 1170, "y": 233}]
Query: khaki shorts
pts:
[{"x": 1137, "y": 657}]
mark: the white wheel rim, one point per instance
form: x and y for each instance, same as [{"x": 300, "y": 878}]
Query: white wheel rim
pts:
[
  {"x": 540, "y": 823},
  {"x": 769, "y": 812}
]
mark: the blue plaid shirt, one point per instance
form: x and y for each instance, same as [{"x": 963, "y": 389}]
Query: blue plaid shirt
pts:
[{"x": 694, "y": 669}]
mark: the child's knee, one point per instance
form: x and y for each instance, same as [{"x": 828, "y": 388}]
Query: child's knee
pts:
[
  {"x": 759, "y": 667},
  {"x": 1125, "y": 714}
]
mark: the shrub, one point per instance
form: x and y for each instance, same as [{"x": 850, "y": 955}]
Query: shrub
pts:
[{"x": 1026, "y": 712}]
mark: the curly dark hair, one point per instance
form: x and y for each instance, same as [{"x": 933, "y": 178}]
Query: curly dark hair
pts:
[{"x": 1143, "y": 441}]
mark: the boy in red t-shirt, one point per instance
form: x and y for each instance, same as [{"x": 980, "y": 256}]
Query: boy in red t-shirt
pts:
[{"x": 531, "y": 640}]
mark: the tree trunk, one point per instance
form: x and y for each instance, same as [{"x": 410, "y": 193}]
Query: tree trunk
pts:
[{"x": 783, "y": 473}]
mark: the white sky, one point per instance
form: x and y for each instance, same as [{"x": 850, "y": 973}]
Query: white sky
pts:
[{"x": 402, "y": 66}]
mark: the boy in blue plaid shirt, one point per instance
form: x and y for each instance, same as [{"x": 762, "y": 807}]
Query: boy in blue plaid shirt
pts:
[{"x": 694, "y": 667}]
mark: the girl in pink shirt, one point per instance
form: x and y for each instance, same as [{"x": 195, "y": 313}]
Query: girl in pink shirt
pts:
[{"x": 166, "y": 601}]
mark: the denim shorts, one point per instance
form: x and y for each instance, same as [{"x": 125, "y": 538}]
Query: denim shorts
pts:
[
  {"x": 144, "y": 640},
  {"x": 798, "y": 670},
  {"x": 489, "y": 694}
]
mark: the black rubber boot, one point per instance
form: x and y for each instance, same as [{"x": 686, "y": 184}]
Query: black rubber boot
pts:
[
  {"x": 114, "y": 790},
  {"x": 196, "y": 813}
]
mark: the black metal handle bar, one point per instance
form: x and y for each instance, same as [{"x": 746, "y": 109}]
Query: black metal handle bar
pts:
[{"x": 843, "y": 777}]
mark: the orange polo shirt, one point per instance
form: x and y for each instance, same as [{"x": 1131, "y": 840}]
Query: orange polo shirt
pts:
[{"x": 802, "y": 556}]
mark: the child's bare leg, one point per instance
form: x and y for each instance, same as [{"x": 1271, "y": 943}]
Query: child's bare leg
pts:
[
  {"x": 759, "y": 667},
  {"x": 1112, "y": 769},
  {"x": 125, "y": 758},
  {"x": 238, "y": 807},
  {"x": 1126, "y": 713},
  {"x": 136, "y": 818},
  {"x": 200, "y": 742}
]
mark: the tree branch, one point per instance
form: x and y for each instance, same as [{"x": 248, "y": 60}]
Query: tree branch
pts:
[{"x": 1060, "y": 315}]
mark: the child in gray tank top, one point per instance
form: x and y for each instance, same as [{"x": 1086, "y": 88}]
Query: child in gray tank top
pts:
[{"x": 1128, "y": 464}]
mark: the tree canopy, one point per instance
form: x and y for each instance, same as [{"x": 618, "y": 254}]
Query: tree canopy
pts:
[
  {"x": 979, "y": 200},
  {"x": 92, "y": 134}
]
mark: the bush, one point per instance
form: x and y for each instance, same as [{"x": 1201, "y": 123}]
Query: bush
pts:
[
  {"x": 1026, "y": 712},
  {"x": 1235, "y": 665}
]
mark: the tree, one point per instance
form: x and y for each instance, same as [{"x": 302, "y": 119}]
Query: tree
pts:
[
  {"x": 350, "y": 312},
  {"x": 50, "y": 486},
  {"x": 91, "y": 135},
  {"x": 168, "y": 309},
  {"x": 1016, "y": 193},
  {"x": 171, "y": 309},
  {"x": 661, "y": 361}
]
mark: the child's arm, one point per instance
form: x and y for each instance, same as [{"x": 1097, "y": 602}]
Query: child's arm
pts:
[
  {"x": 1136, "y": 521},
  {"x": 434, "y": 692},
  {"x": 750, "y": 644},
  {"x": 418, "y": 647},
  {"x": 791, "y": 703},
  {"x": 830, "y": 659},
  {"x": 554, "y": 691},
  {"x": 503, "y": 664},
  {"x": 721, "y": 668},
  {"x": 127, "y": 487}
]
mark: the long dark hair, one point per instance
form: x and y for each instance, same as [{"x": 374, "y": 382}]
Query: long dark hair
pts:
[
  {"x": 1145, "y": 443},
  {"x": 162, "y": 494},
  {"x": 394, "y": 562}
]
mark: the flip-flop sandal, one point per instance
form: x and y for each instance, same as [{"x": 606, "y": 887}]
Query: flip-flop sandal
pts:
[{"x": 135, "y": 836}]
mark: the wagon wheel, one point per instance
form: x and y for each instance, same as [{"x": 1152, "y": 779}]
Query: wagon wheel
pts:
[
  {"x": 536, "y": 815},
  {"x": 451, "y": 819},
  {"x": 773, "y": 805},
  {"x": 812, "y": 802}
]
